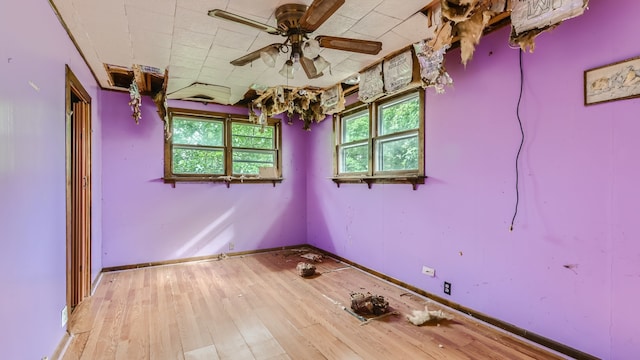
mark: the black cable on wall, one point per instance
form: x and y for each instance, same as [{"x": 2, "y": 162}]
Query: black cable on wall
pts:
[{"x": 515, "y": 212}]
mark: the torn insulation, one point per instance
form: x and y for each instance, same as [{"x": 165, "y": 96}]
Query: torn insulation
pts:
[
  {"x": 369, "y": 304},
  {"x": 421, "y": 317},
  {"x": 432, "y": 70}
]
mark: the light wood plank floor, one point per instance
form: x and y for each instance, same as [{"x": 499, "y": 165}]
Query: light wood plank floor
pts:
[{"x": 257, "y": 307}]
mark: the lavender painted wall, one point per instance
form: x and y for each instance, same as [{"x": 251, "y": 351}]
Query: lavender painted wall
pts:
[
  {"x": 34, "y": 49},
  {"x": 146, "y": 220},
  {"x": 579, "y": 199}
]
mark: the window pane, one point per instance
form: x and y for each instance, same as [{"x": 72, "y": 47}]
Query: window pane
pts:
[
  {"x": 355, "y": 127},
  {"x": 252, "y": 136},
  {"x": 398, "y": 154},
  {"x": 354, "y": 158},
  {"x": 249, "y": 162},
  {"x": 197, "y": 132},
  {"x": 197, "y": 161},
  {"x": 400, "y": 115}
]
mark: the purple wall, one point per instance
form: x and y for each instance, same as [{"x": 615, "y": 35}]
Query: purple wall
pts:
[
  {"x": 579, "y": 198},
  {"x": 34, "y": 48},
  {"x": 146, "y": 220}
]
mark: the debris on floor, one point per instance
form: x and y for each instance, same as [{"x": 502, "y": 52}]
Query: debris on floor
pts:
[
  {"x": 359, "y": 317},
  {"x": 313, "y": 257},
  {"x": 305, "y": 269},
  {"x": 420, "y": 317},
  {"x": 369, "y": 304}
]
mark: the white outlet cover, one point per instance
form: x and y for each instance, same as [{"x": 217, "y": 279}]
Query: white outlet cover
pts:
[
  {"x": 429, "y": 271},
  {"x": 64, "y": 316}
]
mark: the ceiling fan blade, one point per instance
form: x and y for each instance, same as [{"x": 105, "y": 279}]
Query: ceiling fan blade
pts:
[
  {"x": 309, "y": 68},
  {"x": 348, "y": 44},
  {"x": 225, "y": 15},
  {"x": 318, "y": 12},
  {"x": 241, "y": 61}
]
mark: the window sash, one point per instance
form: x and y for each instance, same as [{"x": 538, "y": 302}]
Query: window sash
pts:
[
  {"x": 253, "y": 149},
  {"x": 381, "y": 141}
]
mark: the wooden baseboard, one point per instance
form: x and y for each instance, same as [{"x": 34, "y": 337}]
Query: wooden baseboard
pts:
[
  {"x": 523, "y": 333},
  {"x": 198, "y": 258},
  {"x": 58, "y": 354}
]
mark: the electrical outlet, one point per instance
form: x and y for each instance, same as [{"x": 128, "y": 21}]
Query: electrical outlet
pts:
[
  {"x": 232, "y": 246},
  {"x": 447, "y": 288},
  {"x": 64, "y": 316},
  {"x": 428, "y": 271}
]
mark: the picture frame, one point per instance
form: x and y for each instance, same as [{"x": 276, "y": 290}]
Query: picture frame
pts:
[{"x": 616, "y": 81}]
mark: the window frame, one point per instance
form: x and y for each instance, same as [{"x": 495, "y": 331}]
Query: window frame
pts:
[
  {"x": 228, "y": 176},
  {"x": 373, "y": 174}
]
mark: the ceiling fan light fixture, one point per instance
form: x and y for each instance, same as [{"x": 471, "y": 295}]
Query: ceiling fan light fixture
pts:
[
  {"x": 311, "y": 48},
  {"x": 320, "y": 63},
  {"x": 269, "y": 56},
  {"x": 287, "y": 70}
]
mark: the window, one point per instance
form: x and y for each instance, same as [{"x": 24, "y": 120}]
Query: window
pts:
[
  {"x": 218, "y": 147},
  {"x": 381, "y": 142}
]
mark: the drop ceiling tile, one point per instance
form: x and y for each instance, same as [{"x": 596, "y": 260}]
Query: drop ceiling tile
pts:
[
  {"x": 356, "y": 9},
  {"x": 350, "y": 66},
  {"x": 203, "y": 6},
  {"x": 375, "y": 24},
  {"x": 176, "y": 83},
  {"x": 246, "y": 8},
  {"x": 194, "y": 21},
  {"x": 185, "y": 62},
  {"x": 218, "y": 64},
  {"x": 226, "y": 53},
  {"x": 335, "y": 25},
  {"x": 233, "y": 39},
  {"x": 212, "y": 76},
  {"x": 183, "y": 72},
  {"x": 152, "y": 56},
  {"x": 139, "y": 18},
  {"x": 192, "y": 39},
  {"x": 189, "y": 52},
  {"x": 166, "y": 7},
  {"x": 414, "y": 28},
  {"x": 148, "y": 38},
  {"x": 400, "y": 9},
  {"x": 392, "y": 42}
]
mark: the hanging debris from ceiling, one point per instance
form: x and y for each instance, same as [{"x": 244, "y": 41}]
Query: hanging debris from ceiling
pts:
[
  {"x": 135, "y": 102},
  {"x": 530, "y": 18},
  {"x": 311, "y": 105},
  {"x": 398, "y": 72},
  {"x": 432, "y": 70},
  {"x": 465, "y": 19},
  {"x": 371, "y": 84}
]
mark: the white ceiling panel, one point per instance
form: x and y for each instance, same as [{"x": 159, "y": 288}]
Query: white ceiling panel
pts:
[
  {"x": 165, "y": 7},
  {"x": 189, "y": 52},
  {"x": 233, "y": 39},
  {"x": 336, "y": 25},
  {"x": 400, "y": 9},
  {"x": 142, "y": 19},
  {"x": 186, "y": 62},
  {"x": 375, "y": 24},
  {"x": 203, "y": 6},
  {"x": 356, "y": 9},
  {"x": 192, "y": 39},
  {"x": 414, "y": 28},
  {"x": 194, "y": 21},
  {"x": 151, "y": 56},
  {"x": 184, "y": 72}
]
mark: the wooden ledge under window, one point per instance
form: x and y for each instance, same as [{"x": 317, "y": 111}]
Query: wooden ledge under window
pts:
[
  {"x": 221, "y": 179},
  {"x": 414, "y": 180}
]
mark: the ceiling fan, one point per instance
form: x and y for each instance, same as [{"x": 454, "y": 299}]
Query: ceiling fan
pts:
[{"x": 296, "y": 22}]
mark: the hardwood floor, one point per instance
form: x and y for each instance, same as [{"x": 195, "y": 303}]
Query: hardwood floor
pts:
[{"x": 257, "y": 307}]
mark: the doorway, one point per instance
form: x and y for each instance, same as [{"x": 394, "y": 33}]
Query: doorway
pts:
[{"x": 78, "y": 183}]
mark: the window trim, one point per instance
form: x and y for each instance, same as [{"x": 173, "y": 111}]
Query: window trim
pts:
[
  {"x": 228, "y": 177},
  {"x": 373, "y": 176}
]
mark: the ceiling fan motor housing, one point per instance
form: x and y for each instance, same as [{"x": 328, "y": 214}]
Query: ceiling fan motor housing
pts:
[{"x": 288, "y": 17}]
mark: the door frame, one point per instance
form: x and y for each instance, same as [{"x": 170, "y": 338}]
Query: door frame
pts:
[{"x": 77, "y": 249}]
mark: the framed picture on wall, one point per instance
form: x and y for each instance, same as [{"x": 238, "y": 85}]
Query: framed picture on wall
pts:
[{"x": 620, "y": 80}]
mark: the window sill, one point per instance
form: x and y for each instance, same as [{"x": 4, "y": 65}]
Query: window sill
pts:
[
  {"x": 221, "y": 179},
  {"x": 414, "y": 180}
]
